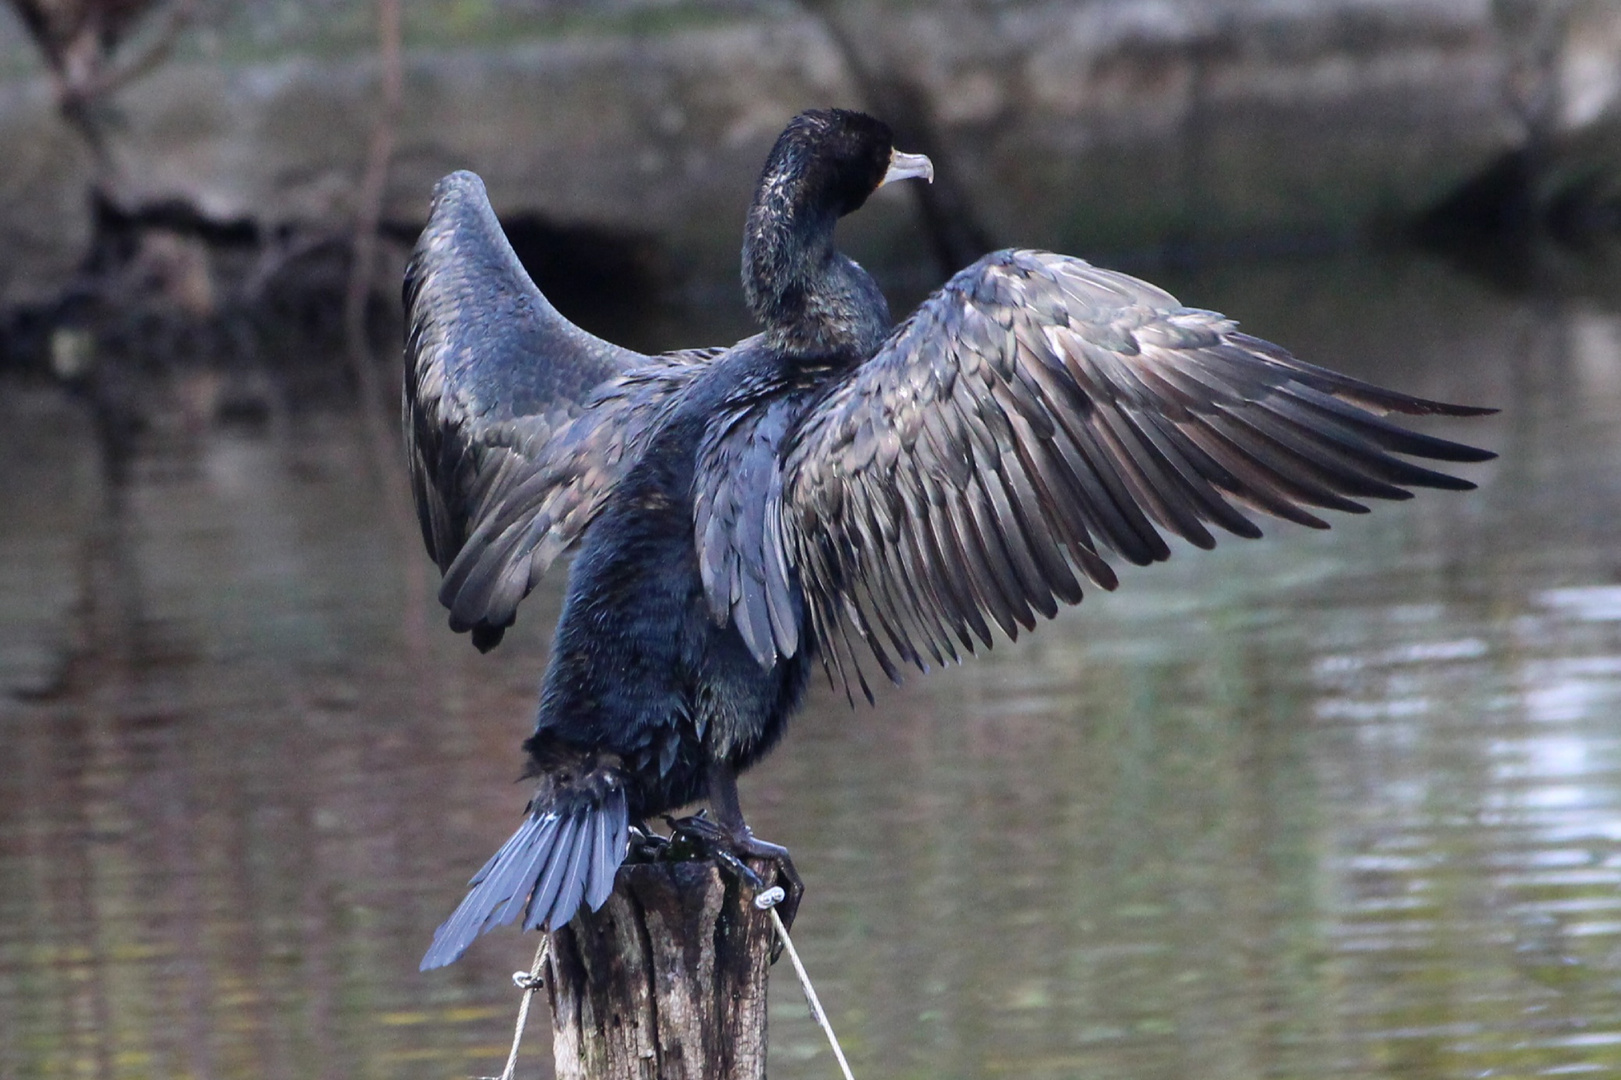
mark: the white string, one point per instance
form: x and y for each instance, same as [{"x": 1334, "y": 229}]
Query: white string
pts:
[
  {"x": 528, "y": 983},
  {"x": 531, "y": 981},
  {"x": 767, "y": 900}
]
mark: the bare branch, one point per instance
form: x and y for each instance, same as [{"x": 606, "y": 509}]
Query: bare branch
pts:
[{"x": 177, "y": 15}]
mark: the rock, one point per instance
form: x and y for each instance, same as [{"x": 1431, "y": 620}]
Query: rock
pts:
[
  {"x": 1091, "y": 127},
  {"x": 44, "y": 196}
]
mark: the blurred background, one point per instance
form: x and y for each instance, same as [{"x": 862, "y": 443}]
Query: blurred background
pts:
[{"x": 1343, "y": 804}]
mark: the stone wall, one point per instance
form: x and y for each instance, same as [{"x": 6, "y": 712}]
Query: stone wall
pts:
[{"x": 1092, "y": 127}]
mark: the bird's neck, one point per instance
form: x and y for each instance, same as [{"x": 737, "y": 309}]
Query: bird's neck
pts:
[{"x": 810, "y": 299}]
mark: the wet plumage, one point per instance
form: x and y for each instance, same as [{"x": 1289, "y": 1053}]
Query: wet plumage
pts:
[{"x": 829, "y": 490}]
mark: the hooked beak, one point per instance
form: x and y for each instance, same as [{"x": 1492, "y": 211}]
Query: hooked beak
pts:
[{"x": 906, "y": 166}]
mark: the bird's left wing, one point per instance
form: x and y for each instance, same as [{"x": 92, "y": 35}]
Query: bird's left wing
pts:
[
  {"x": 517, "y": 422},
  {"x": 1034, "y": 411}
]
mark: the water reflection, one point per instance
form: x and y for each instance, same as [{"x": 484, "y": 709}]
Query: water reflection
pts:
[{"x": 1342, "y": 804}]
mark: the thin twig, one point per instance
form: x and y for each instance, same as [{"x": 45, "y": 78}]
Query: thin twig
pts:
[
  {"x": 155, "y": 51},
  {"x": 810, "y": 993},
  {"x": 949, "y": 217},
  {"x": 378, "y": 431},
  {"x": 277, "y": 254},
  {"x": 368, "y": 211}
]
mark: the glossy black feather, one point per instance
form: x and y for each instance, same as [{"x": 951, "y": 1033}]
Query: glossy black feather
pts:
[
  {"x": 517, "y": 422},
  {"x": 1055, "y": 399},
  {"x": 833, "y": 488},
  {"x": 567, "y": 849}
]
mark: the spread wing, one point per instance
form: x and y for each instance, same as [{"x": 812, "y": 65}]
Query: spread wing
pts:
[
  {"x": 517, "y": 422},
  {"x": 1033, "y": 413}
]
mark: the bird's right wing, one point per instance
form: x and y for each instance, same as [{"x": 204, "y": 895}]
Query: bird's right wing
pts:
[
  {"x": 517, "y": 422},
  {"x": 1036, "y": 410}
]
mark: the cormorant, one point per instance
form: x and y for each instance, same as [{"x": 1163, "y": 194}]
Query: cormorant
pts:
[{"x": 830, "y": 489}]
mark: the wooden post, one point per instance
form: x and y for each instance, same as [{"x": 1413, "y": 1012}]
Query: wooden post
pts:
[{"x": 666, "y": 982}]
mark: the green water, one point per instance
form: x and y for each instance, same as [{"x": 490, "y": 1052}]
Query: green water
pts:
[{"x": 1342, "y": 804}]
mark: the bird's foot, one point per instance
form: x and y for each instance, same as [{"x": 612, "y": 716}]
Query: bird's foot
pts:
[
  {"x": 700, "y": 836},
  {"x": 646, "y": 845}
]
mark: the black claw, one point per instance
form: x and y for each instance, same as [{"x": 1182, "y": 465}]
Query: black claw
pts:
[
  {"x": 646, "y": 845},
  {"x": 699, "y": 836},
  {"x": 788, "y": 875}
]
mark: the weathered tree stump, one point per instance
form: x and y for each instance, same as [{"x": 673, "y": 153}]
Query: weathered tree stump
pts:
[{"x": 666, "y": 981}]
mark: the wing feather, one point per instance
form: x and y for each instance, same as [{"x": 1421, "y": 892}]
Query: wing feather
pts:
[
  {"x": 1031, "y": 410},
  {"x": 517, "y": 422}
]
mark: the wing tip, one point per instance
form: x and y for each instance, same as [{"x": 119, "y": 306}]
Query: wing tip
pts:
[
  {"x": 1472, "y": 455},
  {"x": 458, "y": 183},
  {"x": 1426, "y": 407},
  {"x": 487, "y": 637}
]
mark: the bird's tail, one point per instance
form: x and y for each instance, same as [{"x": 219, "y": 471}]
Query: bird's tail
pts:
[{"x": 568, "y": 849}]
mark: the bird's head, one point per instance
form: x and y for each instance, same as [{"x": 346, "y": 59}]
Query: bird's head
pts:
[
  {"x": 831, "y": 160},
  {"x": 824, "y": 165}
]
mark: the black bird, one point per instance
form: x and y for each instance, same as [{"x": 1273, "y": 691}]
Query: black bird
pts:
[{"x": 830, "y": 489}]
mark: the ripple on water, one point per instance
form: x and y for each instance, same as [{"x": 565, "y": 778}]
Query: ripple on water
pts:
[{"x": 1337, "y": 805}]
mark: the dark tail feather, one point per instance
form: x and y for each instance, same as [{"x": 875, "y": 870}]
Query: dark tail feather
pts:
[{"x": 557, "y": 857}]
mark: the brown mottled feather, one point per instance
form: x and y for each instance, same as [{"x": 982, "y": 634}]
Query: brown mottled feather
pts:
[{"x": 1037, "y": 406}]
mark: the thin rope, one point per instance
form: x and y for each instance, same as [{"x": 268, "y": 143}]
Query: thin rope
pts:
[
  {"x": 766, "y": 900},
  {"x": 528, "y": 982}
]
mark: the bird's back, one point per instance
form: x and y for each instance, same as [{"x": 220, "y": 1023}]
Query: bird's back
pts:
[{"x": 640, "y": 665}]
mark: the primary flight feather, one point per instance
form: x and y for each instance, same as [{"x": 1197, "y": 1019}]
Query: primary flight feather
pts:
[{"x": 834, "y": 489}]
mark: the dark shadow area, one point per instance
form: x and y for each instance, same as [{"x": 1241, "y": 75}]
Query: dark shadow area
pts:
[
  {"x": 600, "y": 278},
  {"x": 612, "y": 282},
  {"x": 251, "y": 318},
  {"x": 1523, "y": 222},
  {"x": 176, "y": 316}
]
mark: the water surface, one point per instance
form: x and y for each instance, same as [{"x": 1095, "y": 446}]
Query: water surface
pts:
[{"x": 1340, "y": 804}]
